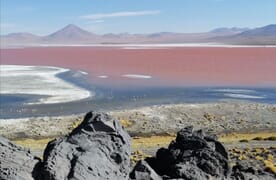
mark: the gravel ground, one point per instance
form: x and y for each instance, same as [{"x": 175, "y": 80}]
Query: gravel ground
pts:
[
  {"x": 224, "y": 117},
  {"x": 213, "y": 117}
]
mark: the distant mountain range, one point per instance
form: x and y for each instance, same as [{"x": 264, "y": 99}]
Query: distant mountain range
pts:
[{"x": 72, "y": 35}]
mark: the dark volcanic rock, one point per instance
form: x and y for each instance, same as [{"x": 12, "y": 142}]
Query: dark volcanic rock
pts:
[
  {"x": 246, "y": 170},
  {"x": 98, "y": 149},
  {"x": 193, "y": 155},
  {"x": 142, "y": 170},
  {"x": 16, "y": 162}
]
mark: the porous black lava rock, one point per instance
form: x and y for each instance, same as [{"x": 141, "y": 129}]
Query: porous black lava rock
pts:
[
  {"x": 246, "y": 170},
  {"x": 193, "y": 155},
  {"x": 144, "y": 171},
  {"x": 98, "y": 148},
  {"x": 17, "y": 162}
]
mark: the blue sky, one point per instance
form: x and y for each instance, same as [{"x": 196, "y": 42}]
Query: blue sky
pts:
[{"x": 134, "y": 16}]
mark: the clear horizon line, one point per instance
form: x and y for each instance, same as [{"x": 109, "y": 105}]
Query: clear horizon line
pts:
[{"x": 133, "y": 33}]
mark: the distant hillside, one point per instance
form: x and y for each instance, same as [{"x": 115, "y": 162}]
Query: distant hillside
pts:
[
  {"x": 22, "y": 36},
  {"x": 72, "y": 34},
  {"x": 228, "y": 31},
  {"x": 259, "y": 36},
  {"x": 269, "y": 30}
]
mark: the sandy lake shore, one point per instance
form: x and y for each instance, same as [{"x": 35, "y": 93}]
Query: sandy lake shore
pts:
[{"x": 219, "y": 118}]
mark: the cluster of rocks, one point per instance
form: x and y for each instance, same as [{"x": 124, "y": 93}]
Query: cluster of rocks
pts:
[
  {"x": 249, "y": 170},
  {"x": 193, "y": 155},
  {"x": 99, "y": 148}
]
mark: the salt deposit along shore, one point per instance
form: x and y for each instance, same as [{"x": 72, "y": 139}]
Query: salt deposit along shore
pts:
[{"x": 41, "y": 81}]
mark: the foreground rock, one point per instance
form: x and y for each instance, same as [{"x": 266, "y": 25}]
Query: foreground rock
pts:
[
  {"x": 193, "y": 155},
  {"x": 98, "y": 149},
  {"x": 142, "y": 170},
  {"x": 17, "y": 162},
  {"x": 250, "y": 170}
]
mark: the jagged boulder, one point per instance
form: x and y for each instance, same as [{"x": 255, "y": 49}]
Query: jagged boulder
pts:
[
  {"x": 98, "y": 148},
  {"x": 193, "y": 155},
  {"x": 17, "y": 162},
  {"x": 250, "y": 170},
  {"x": 144, "y": 171}
]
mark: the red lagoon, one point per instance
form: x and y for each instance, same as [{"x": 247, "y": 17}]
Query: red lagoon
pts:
[{"x": 185, "y": 66}]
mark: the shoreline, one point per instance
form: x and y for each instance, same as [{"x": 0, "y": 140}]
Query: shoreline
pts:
[
  {"x": 219, "y": 117},
  {"x": 47, "y": 77},
  {"x": 113, "y": 99},
  {"x": 148, "y": 45}
]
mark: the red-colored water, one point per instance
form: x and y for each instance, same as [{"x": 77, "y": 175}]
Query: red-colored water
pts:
[{"x": 187, "y": 66}]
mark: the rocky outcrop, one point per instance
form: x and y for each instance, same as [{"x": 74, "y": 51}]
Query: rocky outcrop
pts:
[
  {"x": 193, "y": 155},
  {"x": 98, "y": 148},
  {"x": 142, "y": 170},
  {"x": 17, "y": 162},
  {"x": 250, "y": 170}
]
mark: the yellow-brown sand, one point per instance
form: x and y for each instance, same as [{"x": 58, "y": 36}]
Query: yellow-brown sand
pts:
[
  {"x": 125, "y": 123},
  {"x": 234, "y": 137},
  {"x": 33, "y": 144},
  {"x": 152, "y": 141},
  {"x": 40, "y": 144}
]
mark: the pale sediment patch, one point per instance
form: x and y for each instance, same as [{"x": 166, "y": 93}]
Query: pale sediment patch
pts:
[
  {"x": 139, "y": 48},
  {"x": 230, "y": 90},
  {"x": 137, "y": 76},
  {"x": 243, "y": 96},
  {"x": 103, "y": 76},
  {"x": 40, "y": 80},
  {"x": 152, "y": 45},
  {"x": 83, "y": 72}
]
